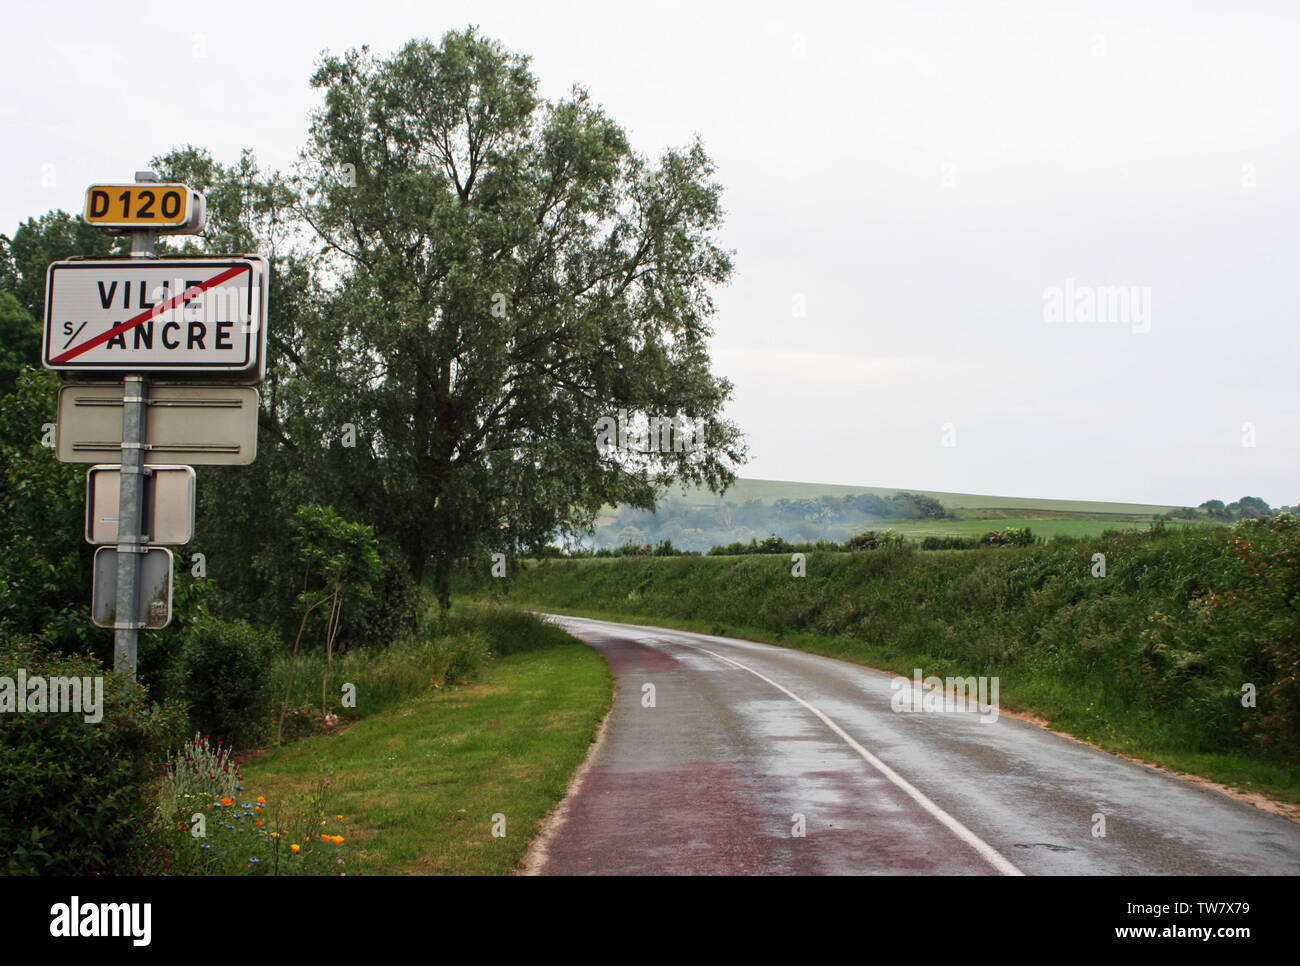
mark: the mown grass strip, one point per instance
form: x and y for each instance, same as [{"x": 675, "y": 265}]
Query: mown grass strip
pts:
[{"x": 419, "y": 783}]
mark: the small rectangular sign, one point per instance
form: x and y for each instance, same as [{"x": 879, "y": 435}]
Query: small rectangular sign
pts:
[
  {"x": 168, "y": 512},
  {"x": 142, "y": 205},
  {"x": 154, "y": 589},
  {"x": 157, "y": 315},
  {"x": 203, "y": 425}
]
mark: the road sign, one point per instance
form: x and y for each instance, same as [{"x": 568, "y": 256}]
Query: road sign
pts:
[
  {"x": 168, "y": 514},
  {"x": 154, "y": 590},
  {"x": 205, "y": 315},
  {"x": 200, "y": 424},
  {"x": 170, "y": 208}
]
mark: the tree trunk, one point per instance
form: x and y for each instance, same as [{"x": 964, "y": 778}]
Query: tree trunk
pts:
[
  {"x": 442, "y": 584},
  {"x": 331, "y": 628},
  {"x": 293, "y": 664}
]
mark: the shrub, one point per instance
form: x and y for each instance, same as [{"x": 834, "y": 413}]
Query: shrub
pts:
[
  {"x": 222, "y": 674},
  {"x": 76, "y": 796},
  {"x": 1265, "y": 610},
  {"x": 873, "y": 540},
  {"x": 1008, "y": 537}
]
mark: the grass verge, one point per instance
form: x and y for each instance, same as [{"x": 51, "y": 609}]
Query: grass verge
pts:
[{"x": 423, "y": 782}]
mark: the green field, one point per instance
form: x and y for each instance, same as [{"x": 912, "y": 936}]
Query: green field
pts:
[{"x": 1045, "y": 527}]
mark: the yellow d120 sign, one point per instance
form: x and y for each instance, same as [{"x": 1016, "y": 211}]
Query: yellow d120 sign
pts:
[{"x": 165, "y": 207}]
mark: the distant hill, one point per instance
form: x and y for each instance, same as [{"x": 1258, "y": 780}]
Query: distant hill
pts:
[
  {"x": 769, "y": 491},
  {"x": 695, "y": 519}
]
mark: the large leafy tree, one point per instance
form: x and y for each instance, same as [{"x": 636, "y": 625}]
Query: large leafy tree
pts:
[
  {"x": 503, "y": 272},
  {"x": 245, "y": 512}
]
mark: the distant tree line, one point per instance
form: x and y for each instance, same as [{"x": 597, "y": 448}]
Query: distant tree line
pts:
[{"x": 1247, "y": 508}]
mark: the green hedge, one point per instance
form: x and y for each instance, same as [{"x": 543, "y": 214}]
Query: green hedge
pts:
[{"x": 75, "y": 797}]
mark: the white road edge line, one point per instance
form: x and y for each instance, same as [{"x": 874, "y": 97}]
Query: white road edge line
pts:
[{"x": 989, "y": 854}]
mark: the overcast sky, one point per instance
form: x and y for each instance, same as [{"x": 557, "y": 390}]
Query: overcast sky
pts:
[{"x": 924, "y": 200}]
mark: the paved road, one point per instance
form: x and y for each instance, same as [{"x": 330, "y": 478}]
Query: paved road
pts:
[{"x": 745, "y": 738}]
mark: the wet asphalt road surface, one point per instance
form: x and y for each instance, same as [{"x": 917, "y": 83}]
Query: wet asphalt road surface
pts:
[{"x": 748, "y": 744}]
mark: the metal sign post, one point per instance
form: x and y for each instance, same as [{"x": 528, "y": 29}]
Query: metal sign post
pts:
[
  {"x": 130, "y": 538},
  {"x": 131, "y": 541}
]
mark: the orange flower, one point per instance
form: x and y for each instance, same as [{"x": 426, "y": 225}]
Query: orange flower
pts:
[
  {"x": 261, "y": 800},
  {"x": 295, "y": 848},
  {"x": 275, "y": 835},
  {"x": 260, "y": 822},
  {"x": 337, "y": 840},
  {"x": 227, "y": 801}
]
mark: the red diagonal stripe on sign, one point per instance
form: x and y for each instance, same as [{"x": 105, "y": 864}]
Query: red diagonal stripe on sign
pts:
[{"x": 148, "y": 314}]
